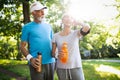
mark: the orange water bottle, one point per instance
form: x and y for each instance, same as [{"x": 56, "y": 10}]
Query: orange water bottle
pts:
[{"x": 64, "y": 48}]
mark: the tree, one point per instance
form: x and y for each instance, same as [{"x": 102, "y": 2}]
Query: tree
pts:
[{"x": 11, "y": 19}]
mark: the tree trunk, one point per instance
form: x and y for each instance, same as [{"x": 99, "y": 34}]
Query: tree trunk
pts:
[
  {"x": 26, "y": 16},
  {"x": 26, "y": 13}
]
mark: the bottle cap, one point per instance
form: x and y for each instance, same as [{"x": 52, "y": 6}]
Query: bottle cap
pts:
[{"x": 39, "y": 53}]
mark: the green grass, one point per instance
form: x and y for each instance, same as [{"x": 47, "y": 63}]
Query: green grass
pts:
[
  {"x": 18, "y": 67},
  {"x": 99, "y": 70},
  {"x": 5, "y": 77},
  {"x": 93, "y": 70}
]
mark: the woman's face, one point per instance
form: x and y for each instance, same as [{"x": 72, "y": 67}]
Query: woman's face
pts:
[{"x": 67, "y": 20}]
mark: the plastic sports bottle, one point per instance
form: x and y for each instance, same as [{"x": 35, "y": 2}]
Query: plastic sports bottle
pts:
[{"x": 64, "y": 48}]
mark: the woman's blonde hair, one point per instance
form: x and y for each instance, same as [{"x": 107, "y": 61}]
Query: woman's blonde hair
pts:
[{"x": 66, "y": 14}]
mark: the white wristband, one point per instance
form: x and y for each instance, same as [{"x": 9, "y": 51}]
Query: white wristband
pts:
[{"x": 29, "y": 56}]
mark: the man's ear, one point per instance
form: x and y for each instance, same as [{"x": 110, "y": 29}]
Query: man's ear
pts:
[{"x": 33, "y": 13}]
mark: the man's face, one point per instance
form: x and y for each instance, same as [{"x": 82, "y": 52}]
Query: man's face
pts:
[{"x": 38, "y": 14}]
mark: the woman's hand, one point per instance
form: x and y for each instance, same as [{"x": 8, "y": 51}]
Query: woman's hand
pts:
[
  {"x": 85, "y": 28},
  {"x": 61, "y": 54}
]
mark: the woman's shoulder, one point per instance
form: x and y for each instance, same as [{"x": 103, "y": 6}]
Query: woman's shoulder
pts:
[{"x": 57, "y": 34}]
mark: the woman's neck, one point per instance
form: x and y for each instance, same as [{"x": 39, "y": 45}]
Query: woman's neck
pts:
[{"x": 65, "y": 31}]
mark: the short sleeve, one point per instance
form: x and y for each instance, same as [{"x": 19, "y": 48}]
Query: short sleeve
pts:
[
  {"x": 54, "y": 38},
  {"x": 51, "y": 34},
  {"x": 25, "y": 34}
]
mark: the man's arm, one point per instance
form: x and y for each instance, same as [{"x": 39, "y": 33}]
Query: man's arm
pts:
[{"x": 24, "y": 50}]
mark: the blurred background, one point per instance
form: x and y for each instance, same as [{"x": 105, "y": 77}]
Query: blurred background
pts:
[
  {"x": 103, "y": 42},
  {"x": 102, "y": 15}
]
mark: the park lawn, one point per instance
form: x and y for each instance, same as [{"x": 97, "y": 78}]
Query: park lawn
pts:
[
  {"x": 93, "y": 70},
  {"x": 5, "y": 77},
  {"x": 99, "y": 70},
  {"x": 16, "y": 66}
]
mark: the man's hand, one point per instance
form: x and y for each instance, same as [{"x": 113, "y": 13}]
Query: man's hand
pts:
[{"x": 35, "y": 62}]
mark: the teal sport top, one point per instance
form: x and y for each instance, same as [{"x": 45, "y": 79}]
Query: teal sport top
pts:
[{"x": 39, "y": 36}]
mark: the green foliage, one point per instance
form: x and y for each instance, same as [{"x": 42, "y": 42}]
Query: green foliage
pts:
[
  {"x": 10, "y": 20},
  {"x": 8, "y": 49},
  {"x": 55, "y": 10},
  {"x": 102, "y": 41},
  {"x": 10, "y": 26},
  {"x": 118, "y": 8}
]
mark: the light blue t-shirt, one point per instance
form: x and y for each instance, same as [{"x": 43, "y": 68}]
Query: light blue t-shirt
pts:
[{"x": 38, "y": 36}]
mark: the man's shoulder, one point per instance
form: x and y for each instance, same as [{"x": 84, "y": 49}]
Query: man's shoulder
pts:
[
  {"x": 46, "y": 23},
  {"x": 27, "y": 24}
]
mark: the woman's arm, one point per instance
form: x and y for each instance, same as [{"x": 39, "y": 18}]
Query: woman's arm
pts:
[
  {"x": 54, "y": 50},
  {"x": 85, "y": 29}
]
